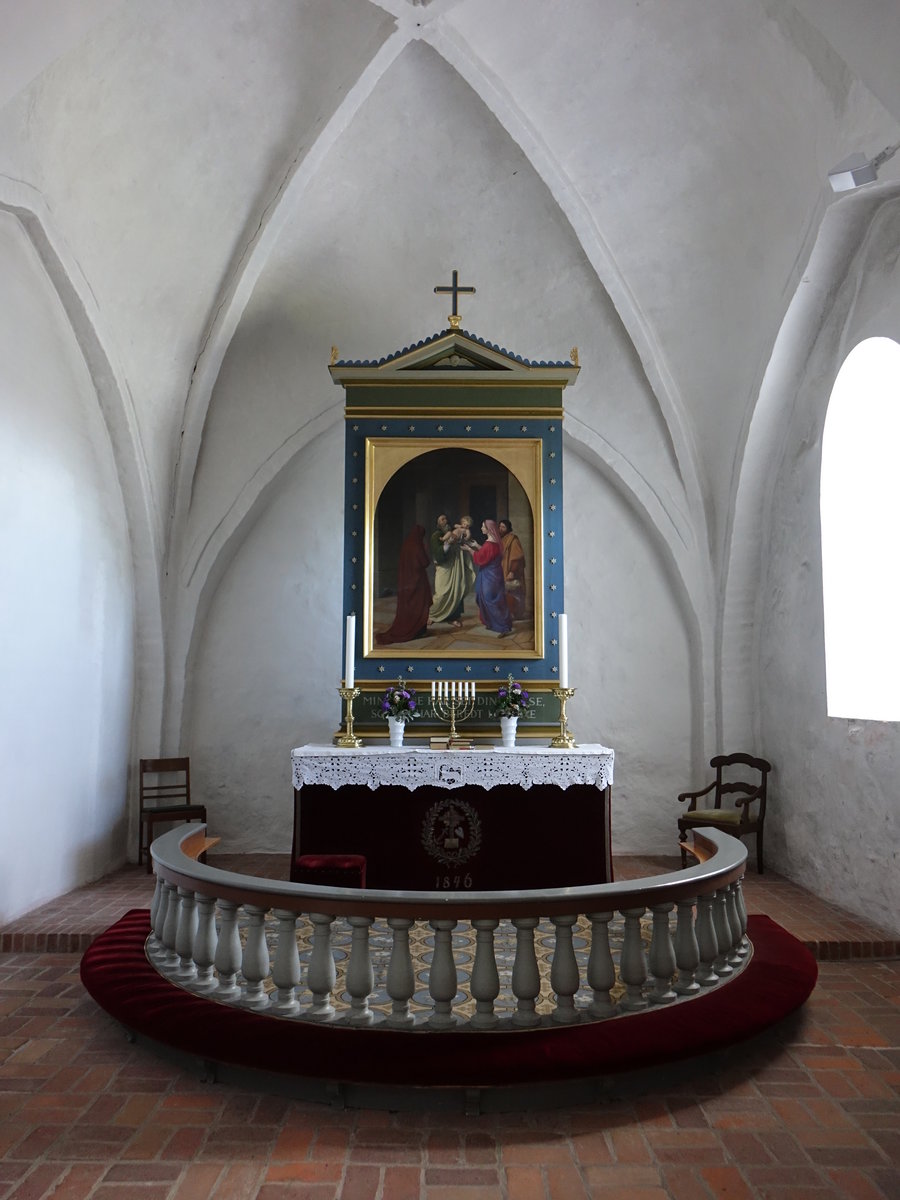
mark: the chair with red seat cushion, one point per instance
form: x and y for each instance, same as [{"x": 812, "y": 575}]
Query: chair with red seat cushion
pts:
[{"x": 165, "y": 796}]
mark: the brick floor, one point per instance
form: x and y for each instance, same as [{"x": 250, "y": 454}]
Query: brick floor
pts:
[{"x": 810, "y": 1109}]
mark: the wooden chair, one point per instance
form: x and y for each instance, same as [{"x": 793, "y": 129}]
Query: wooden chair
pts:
[
  {"x": 744, "y": 818},
  {"x": 165, "y": 795}
]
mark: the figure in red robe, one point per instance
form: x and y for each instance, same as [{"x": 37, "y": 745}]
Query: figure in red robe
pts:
[
  {"x": 413, "y": 591},
  {"x": 490, "y": 589}
]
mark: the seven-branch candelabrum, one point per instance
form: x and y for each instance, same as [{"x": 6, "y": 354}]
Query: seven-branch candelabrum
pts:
[
  {"x": 564, "y": 739},
  {"x": 348, "y": 738},
  {"x": 452, "y": 700}
]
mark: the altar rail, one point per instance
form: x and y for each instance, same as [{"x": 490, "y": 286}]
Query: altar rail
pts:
[{"x": 698, "y": 940}]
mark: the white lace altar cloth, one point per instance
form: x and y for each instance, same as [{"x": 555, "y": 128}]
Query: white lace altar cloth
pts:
[{"x": 382, "y": 766}]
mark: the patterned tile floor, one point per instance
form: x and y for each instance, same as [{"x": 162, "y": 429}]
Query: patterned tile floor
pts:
[{"x": 811, "y": 1109}]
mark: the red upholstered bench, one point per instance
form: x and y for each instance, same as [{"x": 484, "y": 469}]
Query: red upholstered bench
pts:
[{"x": 330, "y": 870}]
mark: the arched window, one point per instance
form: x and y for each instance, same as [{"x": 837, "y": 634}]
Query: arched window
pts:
[{"x": 860, "y": 511}]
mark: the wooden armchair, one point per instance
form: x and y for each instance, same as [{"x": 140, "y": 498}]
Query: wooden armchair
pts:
[{"x": 749, "y": 812}]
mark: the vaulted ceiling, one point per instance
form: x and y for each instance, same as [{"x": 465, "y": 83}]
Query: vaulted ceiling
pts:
[{"x": 230, "y": 187}]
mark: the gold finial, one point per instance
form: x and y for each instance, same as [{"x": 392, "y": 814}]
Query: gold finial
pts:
[
  {"x": 454, "y": 320},
  {"x": 334, "y": 356},
  {"x": 574, "y": 353}
]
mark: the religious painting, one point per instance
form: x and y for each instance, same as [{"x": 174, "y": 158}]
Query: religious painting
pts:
[{"x": 454, "y": 548}]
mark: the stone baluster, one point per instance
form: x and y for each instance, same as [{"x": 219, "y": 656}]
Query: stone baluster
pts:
[
  {"x": 601, "y": 970},
  {"x": 169, "y": 962},
  {"x": 706, "y": 939},
  {"x": 255, "y": 959},
  {"x": 360, "y": 976},
  {"x": 401, "y": 980},
  {"x": 321, "y": 974},
  {"x": 722, "y": 966},
  {"x": 205, "y": 944},
  {"x": 286, "y": 965},
  {"x": 442, "y": 980},
  {"x": 564, "y": 978},
  {"x": 154, "y": 903},
  {"x": 736, "y": 952},
  {"x": 741, "y": 909},
  {"x": 633, "y": 962},
  {"x": 687, "y": 952},
  {"x": 184, "y": 935},
  {"x": 228, "y": 952},
  {"x": 526, "y": 979},
  {"x": 485, "y": 984},
  {"x": 662, "y": 956},
  {"x": 157, "y": 948}
]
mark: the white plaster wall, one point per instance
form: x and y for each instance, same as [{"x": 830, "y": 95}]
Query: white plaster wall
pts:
[
  {"x": 833, "y": 817},
  {"x": 268, "y": 662},
  {"x": 269, "y": 658},
  {"x": 629, "y": 659},
  {"x": 66, "y": 604}
]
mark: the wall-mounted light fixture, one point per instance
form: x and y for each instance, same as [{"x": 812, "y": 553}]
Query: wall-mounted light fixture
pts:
[{"x": 856, "y": 169}]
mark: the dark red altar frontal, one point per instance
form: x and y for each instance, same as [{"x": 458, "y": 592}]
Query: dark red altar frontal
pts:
[{"x": 468, "y": 829}]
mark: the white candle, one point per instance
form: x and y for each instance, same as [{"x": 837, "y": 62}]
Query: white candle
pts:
[
  {"x": 432, "y": 691},
  {"x": 452, "y": 689},
  {"x": 563, "y": 650},
  {"x": 350, "y": 652}
]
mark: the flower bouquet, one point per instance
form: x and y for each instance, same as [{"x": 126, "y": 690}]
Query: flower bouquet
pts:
[
  {"x": 512, "y": 701},
  {"x": 400, "y": 702}
]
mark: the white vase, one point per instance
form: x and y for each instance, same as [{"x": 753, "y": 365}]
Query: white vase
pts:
[
  {"x": 508, "y": 731},
  {"x": 395, "y": 729}
]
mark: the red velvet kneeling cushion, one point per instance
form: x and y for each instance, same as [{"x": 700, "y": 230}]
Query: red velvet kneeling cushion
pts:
[{"x": 330, "y": 870}]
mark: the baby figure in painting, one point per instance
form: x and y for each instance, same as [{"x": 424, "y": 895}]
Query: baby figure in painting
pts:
[{"x": 462, "y": 532}]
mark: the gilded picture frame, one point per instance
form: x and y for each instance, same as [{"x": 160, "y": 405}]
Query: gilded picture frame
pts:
[{"x": 410, "y": 483}]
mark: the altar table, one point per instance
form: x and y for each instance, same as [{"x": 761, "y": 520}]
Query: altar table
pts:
[{"x": 484, "y": 819}]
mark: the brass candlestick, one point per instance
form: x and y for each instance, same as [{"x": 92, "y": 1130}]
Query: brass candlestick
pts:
[
  {"x": 348, "y": 739},
  {"x": 564, "y": 739},
  {"x": 448, "y": 708}
]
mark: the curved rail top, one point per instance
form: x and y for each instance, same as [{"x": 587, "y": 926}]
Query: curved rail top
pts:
[{"x": 725, "y": 864}]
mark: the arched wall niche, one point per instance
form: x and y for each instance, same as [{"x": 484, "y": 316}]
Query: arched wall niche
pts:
[
  {"x": 267, "y": 657},
  {"x": 834, "y": 796},
  {"x": 68, "y": 599}
]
